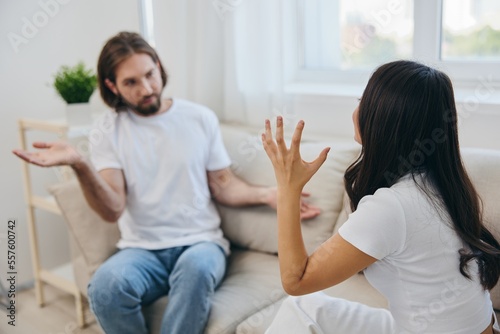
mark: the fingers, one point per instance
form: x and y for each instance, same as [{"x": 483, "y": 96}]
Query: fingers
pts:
[
  {"x": 279, "y": 134},
  {"x": 40, "y": 144},
  {"x": 297, "y": 135},
  {"x": 267, "y": 141},
  {"x": 309, "y": 215},
  {"x": 316, "y": 164},
  {"x": 28, "y": 157},
  {"x": 304, "y": 206},
  {"x": 22, "y": 154},
  {"x": 280, "y": 141},
  {"x": 19, "y": 153},
  {"x": 268, "y": 132},
  {"x": 278, "y": 149},
  {"x": 306, "y": 194},
  {"x": 309, "y": 212}
]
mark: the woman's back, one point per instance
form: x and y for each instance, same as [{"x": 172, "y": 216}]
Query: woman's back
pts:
[{"x": 418, "y": 267}]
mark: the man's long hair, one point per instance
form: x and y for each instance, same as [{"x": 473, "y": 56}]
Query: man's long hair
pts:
[{"x": 115, "y": 51}]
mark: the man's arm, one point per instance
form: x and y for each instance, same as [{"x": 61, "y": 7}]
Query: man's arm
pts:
[
  {"x": 105, "y": 191},
  {"x": 230, "y": 190}
]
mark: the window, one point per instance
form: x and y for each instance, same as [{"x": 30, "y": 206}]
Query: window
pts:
[
  {"x": 342, "y": 41},
  {"x": 368, "y": 33},
  {"x": 470, "y": 30}
]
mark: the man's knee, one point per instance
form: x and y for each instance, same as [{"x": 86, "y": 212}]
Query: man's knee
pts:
[
  {"x": 110, "y": 287},
  {"x": 99, "y": 295},
  {"x": 197, "y": 273}
]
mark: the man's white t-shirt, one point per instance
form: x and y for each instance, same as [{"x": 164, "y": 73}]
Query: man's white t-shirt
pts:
[
  {"x": 165, "y": 159},
  {"x": 418, "y": 262}
]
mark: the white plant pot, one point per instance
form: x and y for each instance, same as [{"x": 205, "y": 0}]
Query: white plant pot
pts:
[{"x": 78, "y": 114}]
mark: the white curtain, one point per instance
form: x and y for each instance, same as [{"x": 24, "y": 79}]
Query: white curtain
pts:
[
  {"x": 226, "y": 54},
  {"x": 253, "y": 69},
  {"x": 189, "y": 40}
]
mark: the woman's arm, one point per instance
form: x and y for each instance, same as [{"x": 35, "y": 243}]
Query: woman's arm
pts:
[{"x": 336, "y": 259}]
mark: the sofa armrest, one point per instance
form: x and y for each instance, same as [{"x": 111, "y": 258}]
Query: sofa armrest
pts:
[{"x": 483, "y": 167}]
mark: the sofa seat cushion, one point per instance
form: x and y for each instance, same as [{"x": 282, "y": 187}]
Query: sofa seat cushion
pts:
[
  {"x": 252, "y": 282},
  {"x": 355, "y": 288}
]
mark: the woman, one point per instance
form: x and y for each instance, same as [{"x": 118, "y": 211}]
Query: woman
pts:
[{"x": 416, "y": 224}]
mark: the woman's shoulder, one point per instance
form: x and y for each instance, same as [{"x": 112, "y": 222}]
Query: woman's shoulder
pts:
[
  {"x": 405, "y": 193},
  {"x": 384, "y": 202},
  {"x": 416, "y": 195}
]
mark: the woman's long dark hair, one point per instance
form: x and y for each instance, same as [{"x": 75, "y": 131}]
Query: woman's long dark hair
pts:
[{"x": 408, "y": 124}]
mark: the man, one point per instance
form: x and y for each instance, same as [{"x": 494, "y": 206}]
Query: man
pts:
[{"x": 155, "y": 172}]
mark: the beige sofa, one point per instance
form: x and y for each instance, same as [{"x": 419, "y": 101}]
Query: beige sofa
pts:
[{"x": 251, "y": 292}]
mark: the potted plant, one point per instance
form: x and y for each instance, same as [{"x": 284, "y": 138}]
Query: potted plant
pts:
[{"x": 75, "y": 85}]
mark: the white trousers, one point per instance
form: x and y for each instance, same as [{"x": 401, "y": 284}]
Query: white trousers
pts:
[{"x": 319, "y": 313}]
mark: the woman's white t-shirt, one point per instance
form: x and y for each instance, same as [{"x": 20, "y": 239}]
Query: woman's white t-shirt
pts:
[
  {"x": 165, "y": 159},
  {"x": 418, "y": 262}
]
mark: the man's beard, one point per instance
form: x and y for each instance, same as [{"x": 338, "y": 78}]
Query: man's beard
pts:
[{"x": 145, "y": 109}]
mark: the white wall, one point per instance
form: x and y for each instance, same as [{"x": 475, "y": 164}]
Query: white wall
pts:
[{"x": 73, "y": 30}]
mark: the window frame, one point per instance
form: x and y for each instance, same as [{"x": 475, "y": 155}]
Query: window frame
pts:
[
  {"x": 146, "y": 21},
  {"x": 426, "y": 49}
]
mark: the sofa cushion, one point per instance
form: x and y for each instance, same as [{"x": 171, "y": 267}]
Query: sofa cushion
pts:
[
  {"x": 252, "y": 282},
  {"x": 95, "y": 239},
  {"x": 483, "y": 167},
  {"x": 256, "y": 227}
]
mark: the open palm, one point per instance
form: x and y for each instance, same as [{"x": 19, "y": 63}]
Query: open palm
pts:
[
  {"x": 51, "y": 154},
  {"x": 292, "y": 173}
]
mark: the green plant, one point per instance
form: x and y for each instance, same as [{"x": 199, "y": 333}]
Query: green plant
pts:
[{"x": 75, "y": 84}]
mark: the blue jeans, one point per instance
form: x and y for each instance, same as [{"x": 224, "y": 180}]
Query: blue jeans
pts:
[{"x": 134, "y": 277}]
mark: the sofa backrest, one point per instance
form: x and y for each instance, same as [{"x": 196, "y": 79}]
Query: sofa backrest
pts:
[{"x": 483, "y": 167}]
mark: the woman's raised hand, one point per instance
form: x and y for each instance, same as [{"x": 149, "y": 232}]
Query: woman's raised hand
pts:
[{"x": 292, "y": 173}]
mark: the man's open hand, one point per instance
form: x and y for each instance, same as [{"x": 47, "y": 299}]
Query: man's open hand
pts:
[
  {"x": 307, "y": 211},
  {"x": 51, "y": 154}
]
